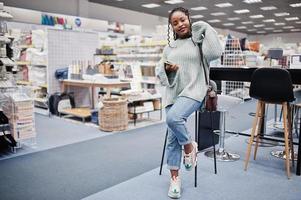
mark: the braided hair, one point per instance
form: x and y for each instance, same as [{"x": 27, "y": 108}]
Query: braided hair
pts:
[{"x": 175, "y": 36}]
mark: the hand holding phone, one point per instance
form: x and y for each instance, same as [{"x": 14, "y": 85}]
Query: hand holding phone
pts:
[{"x": 170, "y": 67}]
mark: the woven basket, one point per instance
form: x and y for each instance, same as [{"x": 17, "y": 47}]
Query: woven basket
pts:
[{"x": 113, "y": 116}]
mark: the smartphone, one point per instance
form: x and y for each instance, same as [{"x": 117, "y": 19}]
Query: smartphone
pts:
[{"x": 168, "y": 63}]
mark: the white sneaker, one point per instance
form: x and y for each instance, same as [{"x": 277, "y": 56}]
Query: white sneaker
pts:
[
  {"x": 174, "y": 191},
  {"x": 190, "y": 160}
]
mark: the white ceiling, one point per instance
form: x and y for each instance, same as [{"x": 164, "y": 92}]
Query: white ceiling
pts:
[{"x": 228, "y": 17}]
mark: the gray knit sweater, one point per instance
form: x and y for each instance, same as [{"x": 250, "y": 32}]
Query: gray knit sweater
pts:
[{"x": 189, "y": 79}]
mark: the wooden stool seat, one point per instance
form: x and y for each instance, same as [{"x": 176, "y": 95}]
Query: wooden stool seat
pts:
[{"x": 78, "y": 112}]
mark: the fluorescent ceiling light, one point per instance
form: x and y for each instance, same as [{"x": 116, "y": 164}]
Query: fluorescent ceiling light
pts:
[
  {"x": 298, "y": 22},
  {"x": 288, "y": 27},
  {"x": 223, "y": 5},
  {"x": 214, "y": 20},
  {"x": 242, "y": 11},
  {"x": 174, "y": 1},
  {"x": 241, "y": 27},
  {"x": 269, "y": 28},
  {"x": 261, "y": 32},
  {"x": 268, "y": 20},
  {"x": 233, "y": 18},
  {"x": 150, "y": 5},
  {"x": 281, "y": 14},
  {"x": 277, "y": 31},
  {"x": 292, "y": 18},
  {"x": 252, "y": 30},
  {"x": 218, "y": 14},
  {"x": 248, "y": 22},
  {"x": 256, "y": 16},
  {"x": 259, "y": 25},
  {"x": 199, "y": 8},
  {"x": 296, "y": 29},
  {"x": 228, "y": 24},
  {"x": 279, "y": 24},
  {"x": 268, "y": 8},
  {"x": 252, "y": 1},
  {"x": 196, "y": 16},
  {"x": 295, "y": 5},
  {"x": 119, "y": 0}
]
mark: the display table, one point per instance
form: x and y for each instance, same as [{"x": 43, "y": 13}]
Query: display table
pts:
[{"x": 93, "y": 84}]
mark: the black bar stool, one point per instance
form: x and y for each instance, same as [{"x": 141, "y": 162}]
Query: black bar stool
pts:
[{"x": 272, "y": 85}]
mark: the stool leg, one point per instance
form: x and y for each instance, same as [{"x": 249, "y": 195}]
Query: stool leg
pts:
[
  {"x": 252, "y": 135},
  {"x": 196, "y": 138},
  {"x": 163, "y": 153},
  {"x": 290, "y": 137},
  {"x": 298, "y": 170},
  {"x": 258, "y": 130},
  {"x": 213, "y": 143},
  {"x": 287, "y": 162}
]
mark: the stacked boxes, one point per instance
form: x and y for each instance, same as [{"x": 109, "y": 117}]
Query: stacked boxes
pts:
[{"x": 19, "y": 110}]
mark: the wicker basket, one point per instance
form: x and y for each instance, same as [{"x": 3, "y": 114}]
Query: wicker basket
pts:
[{"x": 113, "y": 116}]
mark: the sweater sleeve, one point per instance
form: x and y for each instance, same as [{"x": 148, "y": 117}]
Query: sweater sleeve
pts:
[
  {"x": 166, "y": 79},
  {"x": 211, "y": 46}
]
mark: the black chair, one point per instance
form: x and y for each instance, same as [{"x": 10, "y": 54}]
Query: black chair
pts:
[
  {"x": 272, "y": 85},
  {"x": 197, "y": 132}
]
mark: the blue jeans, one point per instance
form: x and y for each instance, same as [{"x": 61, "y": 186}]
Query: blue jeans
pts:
[{"x": 176, "y": 116}]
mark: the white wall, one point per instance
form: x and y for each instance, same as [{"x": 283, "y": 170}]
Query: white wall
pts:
[
  {"x": 148, "y": 22},
  {"x": 84, "y": 8}
]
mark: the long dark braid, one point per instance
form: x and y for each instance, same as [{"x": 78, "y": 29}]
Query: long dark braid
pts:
[{"x": 175, "y": 36}]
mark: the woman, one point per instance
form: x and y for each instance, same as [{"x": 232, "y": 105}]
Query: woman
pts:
[{"x": 182, "y": 74}]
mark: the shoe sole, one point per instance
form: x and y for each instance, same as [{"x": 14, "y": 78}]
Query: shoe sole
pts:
[{"x": 174, "y": 196}]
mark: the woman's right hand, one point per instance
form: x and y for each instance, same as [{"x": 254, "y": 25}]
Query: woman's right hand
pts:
[{"x": 171, "y": 67}]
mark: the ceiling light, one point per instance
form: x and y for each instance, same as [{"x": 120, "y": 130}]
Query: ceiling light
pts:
[
  {"x": 296, "y": 29},
  {"x": 268, "y": 8},
  {"x": 252, "y": 1},
  {"x": 119, "y": 0},
  {"x": 173, "y": 1},
  {"x": 214, "y": 20},
  {"x": 298, "y": 22},
  {"x": 277, "y": 31},
  {"x": 261, "y": 32},
  {"x": 241, "y": 11},
  {"x": 228, "y": 24},
  {"x": 196, "y": 16},
  {"x": 259, "y": 25},
  {"x": 288, "y": 27},
  {"x": 279, "y": 24},
  {"x": 269, "y": 20},
  {"x": 292, "y": 18},
  {"x": 233, "y": 18},
  {"x": 218, "y": 14},
  {"x": 295, "y": 5},
  {"x": 223, "y": 5},
  {"x": 199, "y": 8},
  {"x": 256, "y": 16},
  {"x": 269, "y": 28},
  {"x": 150, "y": 5},
  {"x": 241, "y": 27},
  {"x": 252, "y": 30},
  {"x": 248, "y": 22},
  {"x": 281, "y": 14}
]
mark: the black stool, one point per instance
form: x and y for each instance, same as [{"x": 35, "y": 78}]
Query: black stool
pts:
[
  {"x": 197, "y": 117},
  {"x": 272, "y": 85}
]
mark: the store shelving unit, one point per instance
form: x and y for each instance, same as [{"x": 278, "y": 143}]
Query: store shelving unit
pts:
[{"x": 234, "y": 57}]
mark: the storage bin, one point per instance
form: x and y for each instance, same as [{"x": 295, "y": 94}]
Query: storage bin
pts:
[{"x": 113, "y": 116}]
